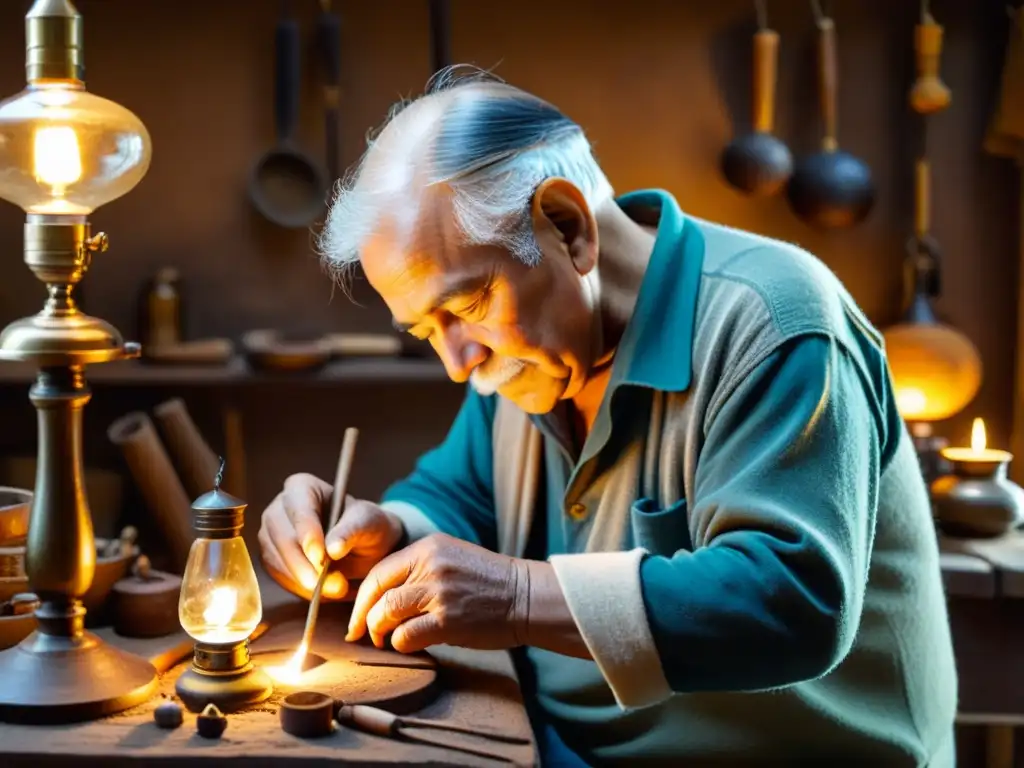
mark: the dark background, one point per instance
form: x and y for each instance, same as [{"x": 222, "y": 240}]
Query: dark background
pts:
[{"x": 659, "y": 86}]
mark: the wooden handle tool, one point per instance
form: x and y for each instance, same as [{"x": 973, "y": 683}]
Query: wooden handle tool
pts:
[
  {"x": 383, "y": 723},
  {"x": 929, "y": 94},
  {"x": 348, "y": 449}
]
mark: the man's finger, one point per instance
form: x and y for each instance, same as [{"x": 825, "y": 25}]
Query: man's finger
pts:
[
  {"x": 355, "y": 519},
  {"x": 395, "y": 606},
  {"x": 287, "y": 545},
  {"x": 302, "y": 506},
  {"x": 336, "y": 586},
  {"x": 274, "y": 564},
  {"x": 389, "y": 573},
  {"x": 417, "y": 633}
]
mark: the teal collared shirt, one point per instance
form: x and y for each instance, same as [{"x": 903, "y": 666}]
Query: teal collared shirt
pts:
[
  {"x": 771, "y": 607},
  {"x": 453, "y": 484}
]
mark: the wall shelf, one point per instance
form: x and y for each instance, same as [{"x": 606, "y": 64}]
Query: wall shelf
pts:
[{"x": 237, "y": 372}]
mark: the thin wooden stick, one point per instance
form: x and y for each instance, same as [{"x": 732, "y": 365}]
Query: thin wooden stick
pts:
[{"x": 348, "y": 449}]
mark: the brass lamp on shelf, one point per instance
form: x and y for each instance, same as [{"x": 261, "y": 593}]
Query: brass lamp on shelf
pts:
[
  {"x": 936, "y": 369},
  {"x": 63, "y": 153}
]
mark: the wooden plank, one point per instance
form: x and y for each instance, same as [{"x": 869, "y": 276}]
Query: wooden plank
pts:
[
  {"x": 965, "y": 574},
  {"x": 1006, "y": 557}
]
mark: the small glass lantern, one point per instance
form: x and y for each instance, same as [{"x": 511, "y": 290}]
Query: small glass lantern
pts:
[{"x": 219, "y": 608}]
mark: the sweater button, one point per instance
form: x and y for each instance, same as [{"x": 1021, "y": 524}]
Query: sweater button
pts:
[{"x": 577, "y": 511}]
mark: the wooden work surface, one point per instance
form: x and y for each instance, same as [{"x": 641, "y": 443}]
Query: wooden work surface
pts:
[
  {"x": 477, "y": 688},
  {"x": 984, "y": 581},
  {"x": 984, "y": 568}
]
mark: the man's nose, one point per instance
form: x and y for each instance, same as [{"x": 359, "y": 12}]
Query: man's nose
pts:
[{"x": 459, "y": 355}]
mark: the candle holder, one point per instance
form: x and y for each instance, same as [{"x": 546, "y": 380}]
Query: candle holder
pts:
[
  {"x": 219, "y": 608},
  {"x": 977, "y": 499}
]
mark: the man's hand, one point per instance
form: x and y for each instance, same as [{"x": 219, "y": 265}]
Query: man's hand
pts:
[
  {"x": 443, "y": 590},
  {"x": 292, "y": 543}
]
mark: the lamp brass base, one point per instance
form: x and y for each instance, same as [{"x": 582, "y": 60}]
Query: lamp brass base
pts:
[
  {"x": 228, "y": 692},
  {"x": 49, "y": 679}
]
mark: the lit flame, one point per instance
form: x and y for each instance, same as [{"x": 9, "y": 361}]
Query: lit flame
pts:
[
  {"x": 58, "y": 161},
  {"x": 291, "y": 671},
  {"x": 223, "y": 602},
  {"x": 979, "y": 440}
]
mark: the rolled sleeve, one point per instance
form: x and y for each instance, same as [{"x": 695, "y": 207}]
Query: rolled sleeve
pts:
[{"x": 604, "y": 595}]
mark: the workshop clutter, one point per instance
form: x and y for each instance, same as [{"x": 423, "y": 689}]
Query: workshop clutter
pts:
[{"x": 170, "y": 462}]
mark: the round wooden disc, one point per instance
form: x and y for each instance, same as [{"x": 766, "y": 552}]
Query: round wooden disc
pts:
[{"x": 332, "y": 669}]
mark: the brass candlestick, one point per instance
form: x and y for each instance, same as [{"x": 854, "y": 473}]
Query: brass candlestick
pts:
[
  {"x": 976, "y": 499},
  {"x": 219, "y": 608},
  {"x": 63, "y": 153}
]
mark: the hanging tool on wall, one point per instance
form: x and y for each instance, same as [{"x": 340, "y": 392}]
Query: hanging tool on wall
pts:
[
  {"x": 830, "y": 189},
  {"x": 928, "y": 95},
  {"x": 758, "y": 163},
  {"x": 440, "y": 35},
  {"x": 936, "y": 369},
  {"x": 288, "y": 186},
  {"x": 1004, "y": 136},
  {"x": 328, "y": 32}
]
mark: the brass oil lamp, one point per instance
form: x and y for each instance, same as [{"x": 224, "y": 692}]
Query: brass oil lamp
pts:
[
  {"x": 64, "y": 152},
  {"x": 219, "y": 608}
]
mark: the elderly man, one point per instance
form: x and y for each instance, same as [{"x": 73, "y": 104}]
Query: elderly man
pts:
[{"x": 678, "y": 487}]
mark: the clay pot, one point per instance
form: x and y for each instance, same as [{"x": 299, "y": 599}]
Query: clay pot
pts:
[{"x": 109, "y": 570}]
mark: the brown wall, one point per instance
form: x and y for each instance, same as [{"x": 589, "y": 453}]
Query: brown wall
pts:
[{"x": 659, "y": 88}]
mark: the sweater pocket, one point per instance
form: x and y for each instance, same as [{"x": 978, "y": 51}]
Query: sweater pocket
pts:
[{"x": 660, "y": 530}]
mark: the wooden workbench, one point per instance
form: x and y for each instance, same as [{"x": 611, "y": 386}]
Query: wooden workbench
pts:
[
  {"x": 984, "y": 581},
  {"x": 478, "y": 689}
]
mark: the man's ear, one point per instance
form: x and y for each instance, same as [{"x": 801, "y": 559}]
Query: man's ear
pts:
[{"x": 559, "y": 210}]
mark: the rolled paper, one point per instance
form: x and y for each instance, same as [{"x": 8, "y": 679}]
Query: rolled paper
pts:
[
  {"x": 195, "y": 460},
  {"x": 157, "y": 480}
]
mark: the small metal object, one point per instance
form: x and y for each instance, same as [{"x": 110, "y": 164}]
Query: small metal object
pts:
[
  {"x": 129, "y": 535},
  {"x": 168, "y": 715},
  {"x": 210, "y": 723},
  {"x": 307, "y": 714},
  {"x": 142, "y": 568}
]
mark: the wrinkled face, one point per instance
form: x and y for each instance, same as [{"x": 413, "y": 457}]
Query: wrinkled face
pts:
[{"x": 525, "y": 332}]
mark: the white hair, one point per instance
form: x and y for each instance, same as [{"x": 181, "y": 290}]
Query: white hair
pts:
[{"x": 490, "y": 143}]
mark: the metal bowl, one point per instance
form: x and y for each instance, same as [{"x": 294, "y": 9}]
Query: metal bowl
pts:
[{"x": 15, "y": 506}]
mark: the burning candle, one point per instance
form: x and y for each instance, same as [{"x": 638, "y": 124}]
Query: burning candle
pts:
[
  {"x": 976, "y": 499},
  {"x": 979, "y": 453}
]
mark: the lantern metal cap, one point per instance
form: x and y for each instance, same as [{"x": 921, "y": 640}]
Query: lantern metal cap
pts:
[
  {"x": 54, "y": 42},
  {"x": 218, "y": 514},
  {"x": 218, "y": 500}
]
